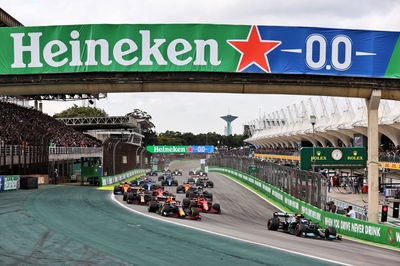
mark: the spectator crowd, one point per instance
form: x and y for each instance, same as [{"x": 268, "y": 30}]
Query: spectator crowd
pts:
[{"x": 26, "y": 126}]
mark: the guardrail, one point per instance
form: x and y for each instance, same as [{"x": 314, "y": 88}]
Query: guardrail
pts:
[
  {"x": 109, "y": 180},
  {"x": 377, "y": 233}
]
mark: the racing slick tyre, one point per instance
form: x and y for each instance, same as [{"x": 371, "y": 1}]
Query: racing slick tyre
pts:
[
  {"x": 194, "y": 212},
  {"x": 193, "y": 204},
  {"x": 129, "y": 197},
  {"x": 147, "y": 198},
  {"x": 191, "y": 180},
  {"x": 160, "y": 178},
  {"x": 273, "y": 224},
  {"x": 116, "y": 190},
  {"x": 190, "y": 195},
  {"x": 186, "y": 202},
  {"x": 153, "y": 206},
  {"x": 211, "y": 184},
  {"x": 208, "y": 195},
  {"x": 330, "y": 231},
  {"x": 217, "y": 207},
  {"x": 125, "y": 196},
  {"x": 175, "y": 183},
  {"x": 299, "y": 230},
  {"x": 164, "y": 210},
  {"x": 163, "y": 183},
  {"x": 179, "y": 189}
]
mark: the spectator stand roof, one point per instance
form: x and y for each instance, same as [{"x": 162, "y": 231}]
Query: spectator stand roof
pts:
[{"x": 6, "y": 20}]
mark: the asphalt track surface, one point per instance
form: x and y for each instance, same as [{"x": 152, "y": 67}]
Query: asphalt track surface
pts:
[
  {"x": 244, "y": 216},
  {"x": 73, "y": 225}
]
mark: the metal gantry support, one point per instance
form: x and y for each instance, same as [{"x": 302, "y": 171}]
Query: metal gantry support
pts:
[{"x": 373, "y": 156}]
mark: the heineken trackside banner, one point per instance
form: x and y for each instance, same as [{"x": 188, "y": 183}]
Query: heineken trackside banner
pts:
[
  {"x": 199, "y": 47},
  {"x": 180, "y": 149}
]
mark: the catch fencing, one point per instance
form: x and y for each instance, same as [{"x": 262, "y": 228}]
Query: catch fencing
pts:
[{"x": 305, "y": 186}]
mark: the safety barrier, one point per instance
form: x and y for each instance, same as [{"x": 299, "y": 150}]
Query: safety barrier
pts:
[
  {"x": 382, "y": 234},
  {"x": 108, "y": 180}
]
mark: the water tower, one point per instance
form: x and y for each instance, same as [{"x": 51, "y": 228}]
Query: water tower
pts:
[{"x": 228, "y": 119}]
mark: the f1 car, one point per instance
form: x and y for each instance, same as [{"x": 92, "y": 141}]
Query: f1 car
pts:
[
  {"x": 184, "y": 187},
  {"x": 172, "y": 208},
  {"x": 176, "y": 173},
  {"x": 197, "y": 173},
  {"x": 148, "y": 184},
  {"x": 121, "y": 188},
  {"x": 205, "y": 205},
  {"x": 169, "y": 181},
  {"x": 152, "y": 173},
  {"x": 297, "y": 225},
  {"x": 136, "y": 182},
  {"x": 197, "y": 191},
  {"x": 139, "y": 196},
  {"x": 204, "y": 182}
]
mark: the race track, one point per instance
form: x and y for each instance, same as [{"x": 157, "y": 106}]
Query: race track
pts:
[
  {"x": 73, "y": 225},
  {"x": 244, "y": 216}
]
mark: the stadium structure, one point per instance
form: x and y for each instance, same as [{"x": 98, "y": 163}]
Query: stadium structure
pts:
[{"x": 339, "y": 122}]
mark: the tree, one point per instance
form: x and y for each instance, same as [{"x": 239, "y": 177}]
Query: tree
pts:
[
  {"x": 176, "y": 138},
  {"x": 76, "y": 111}
]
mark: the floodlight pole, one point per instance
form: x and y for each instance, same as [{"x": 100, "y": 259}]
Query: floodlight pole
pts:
[{"x": 313, "y": 120}]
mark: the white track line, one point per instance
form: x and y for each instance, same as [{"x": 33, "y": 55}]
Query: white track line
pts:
[{"x": 112, "y": 196}]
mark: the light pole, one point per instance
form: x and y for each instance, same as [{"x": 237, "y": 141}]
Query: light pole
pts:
[{"x": 313, "y": 120}]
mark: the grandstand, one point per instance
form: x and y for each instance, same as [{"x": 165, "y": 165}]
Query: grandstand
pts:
[{"x": 344, "y": 125}]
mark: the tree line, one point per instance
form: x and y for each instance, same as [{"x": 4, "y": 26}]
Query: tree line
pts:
[
  {"x": 169, "y": 138},
  {"x": 211, "y": 138}
]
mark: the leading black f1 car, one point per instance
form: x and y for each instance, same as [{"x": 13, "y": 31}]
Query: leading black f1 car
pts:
[{"x": 297, "y": 225}]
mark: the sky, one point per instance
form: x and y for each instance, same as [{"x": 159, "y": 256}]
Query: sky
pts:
[{"x": 200, "y": 112}]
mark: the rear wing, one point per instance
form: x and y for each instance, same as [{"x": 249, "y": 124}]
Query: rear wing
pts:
[{"x": 283, "y": 214}]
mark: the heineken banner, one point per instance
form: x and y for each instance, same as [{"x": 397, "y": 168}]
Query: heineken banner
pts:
[
  {"x": 180, "y": 149},
  {"x": 197, "y": 47}
]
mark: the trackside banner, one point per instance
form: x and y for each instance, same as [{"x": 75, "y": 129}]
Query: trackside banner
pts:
[
  {"x": 109, "y": 180},
  {"x": 9, "y": 182},
  {"x": 377, "y": 233},
  {"x": 199, "y": 47}
]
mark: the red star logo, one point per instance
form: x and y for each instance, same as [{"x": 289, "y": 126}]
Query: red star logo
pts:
[
  {"x": 190, "y": 149},
  {"x": 254, "y": 50}
]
